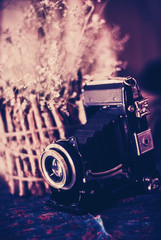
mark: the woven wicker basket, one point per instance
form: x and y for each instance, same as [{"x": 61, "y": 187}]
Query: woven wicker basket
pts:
[{"x": 24, "y": 132}]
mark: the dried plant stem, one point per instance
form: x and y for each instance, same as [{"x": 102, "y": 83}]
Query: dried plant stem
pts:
[
  {"x": 37, "y": 116},
  {"x": 31, "y": 163},
  {"x": 79, "y": 36},
  {"x": 9, "y": 120},
  {"x": 18, "y": 161},
  {"x": 9, "y": 162},
  {"x": 49, "y": 124},
  {"x": 58, "y": 121},
  {"x": 20, "y": 174},
  {"x": 81, "y": 112},
  {"x": 85, "y": 26}
]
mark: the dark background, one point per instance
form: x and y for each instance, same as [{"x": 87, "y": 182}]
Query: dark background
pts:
[{"x": 141, "y": 20}]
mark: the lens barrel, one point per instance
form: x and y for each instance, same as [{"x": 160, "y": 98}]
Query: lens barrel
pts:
[{"x": 61, "y": 165}]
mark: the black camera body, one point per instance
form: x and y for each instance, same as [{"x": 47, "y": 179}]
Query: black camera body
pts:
[{"x": 114, "y": 146}]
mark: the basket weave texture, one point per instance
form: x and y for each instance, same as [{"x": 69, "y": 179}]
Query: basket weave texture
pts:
[{"x": 24, "y": 132}]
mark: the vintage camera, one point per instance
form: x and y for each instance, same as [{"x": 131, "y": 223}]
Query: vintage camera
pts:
[{"x": 113, "y": 147}]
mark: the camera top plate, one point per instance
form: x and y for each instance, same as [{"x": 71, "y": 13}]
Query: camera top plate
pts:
[{"x": 108, "y": 92}]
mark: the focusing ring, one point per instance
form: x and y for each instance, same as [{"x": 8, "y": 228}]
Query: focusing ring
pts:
[
  {"x": 54, "y": 168},
  {"x": 66, "y": 160}
]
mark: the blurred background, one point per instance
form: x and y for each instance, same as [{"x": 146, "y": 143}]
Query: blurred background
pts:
[
  {"x": 139, "y": 53},
  {"x": 141, "y": 20}
]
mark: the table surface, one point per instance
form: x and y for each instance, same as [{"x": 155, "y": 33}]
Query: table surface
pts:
[{"x": 130, "y": 218}]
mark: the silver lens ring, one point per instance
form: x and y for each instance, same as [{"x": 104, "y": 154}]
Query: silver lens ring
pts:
[
  {"x": 65, "y": 185},
  {"x": 54, "y": 168}
]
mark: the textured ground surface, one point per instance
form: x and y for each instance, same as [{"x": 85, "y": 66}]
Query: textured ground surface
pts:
[
  {"x": 135, "y": 218},
  {"x": 132, "y": 218}
]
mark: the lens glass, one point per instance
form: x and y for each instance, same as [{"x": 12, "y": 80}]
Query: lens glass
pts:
[{"x": 54, "y": 169}]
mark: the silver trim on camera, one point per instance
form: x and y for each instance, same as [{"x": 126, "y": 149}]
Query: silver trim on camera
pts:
[
  {"x": 107, "y": 92},
  {"x": 116, "y": 171},
  {"x": 142, "y": 108},
  {"x": 144, "y": 142},
  {"x": 51, "y": 150}
]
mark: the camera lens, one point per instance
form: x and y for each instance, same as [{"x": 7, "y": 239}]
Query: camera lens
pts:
[
  {"x": 57, "y": 170},
  {"x": 54, "y": 168},
  {"x": 57, "y": 167}
]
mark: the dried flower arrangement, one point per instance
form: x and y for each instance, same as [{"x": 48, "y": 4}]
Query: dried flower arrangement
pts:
[{"x": 44, "y": 60}]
